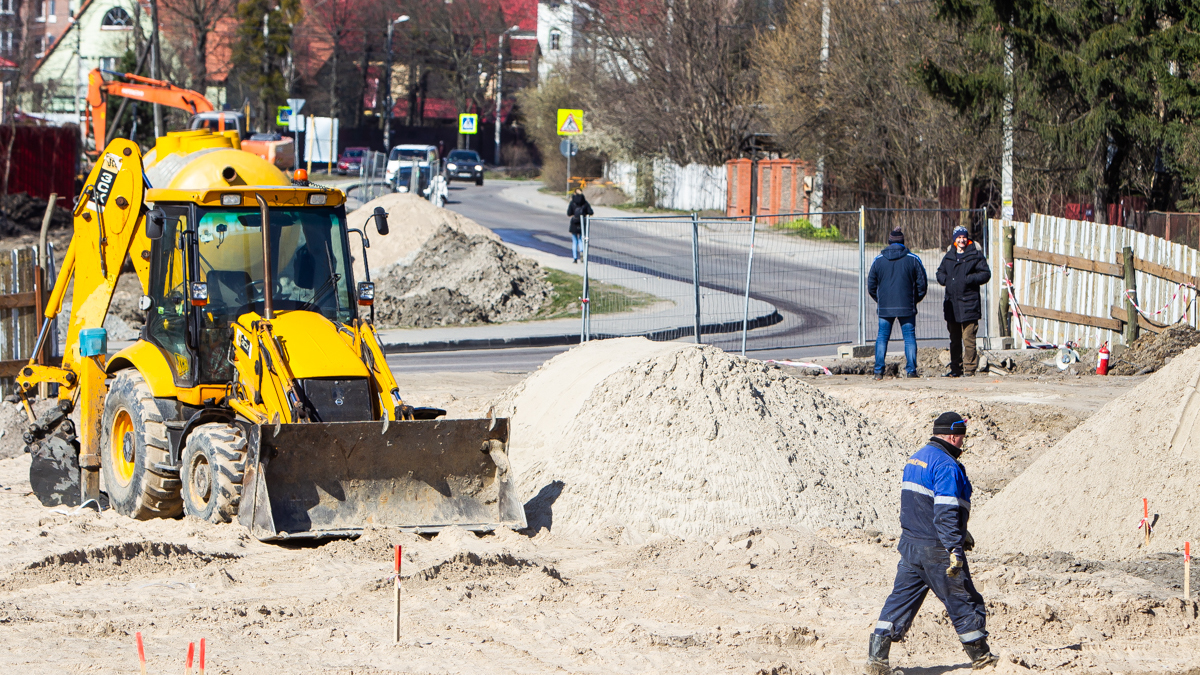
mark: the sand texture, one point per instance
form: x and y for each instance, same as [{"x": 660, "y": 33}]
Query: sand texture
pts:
[
  {"x": 1084, "y": 496},
  {"x": 412, "y": 221},
  {"x": 690, "y": 441}
]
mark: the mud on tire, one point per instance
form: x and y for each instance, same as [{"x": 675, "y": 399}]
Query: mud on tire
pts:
[
  {"x": 211, "y": 470},
  {"x": 133, "y": 447}
]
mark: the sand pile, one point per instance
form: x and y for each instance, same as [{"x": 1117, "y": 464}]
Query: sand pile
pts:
[
  {"x": 1084, "y": 496},
  {"x": 437, "y": 268},
  {"x": 1151, "y": 351},
  {"x": 690, "y": 441}
]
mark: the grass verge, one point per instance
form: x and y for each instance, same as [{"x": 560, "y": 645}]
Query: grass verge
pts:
[
  {"x": 803, "y": 227},
  {"x": 606, "y": 298}
]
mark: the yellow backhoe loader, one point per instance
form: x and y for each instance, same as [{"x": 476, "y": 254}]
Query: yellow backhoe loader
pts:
[{"x": 258, "y": 389}]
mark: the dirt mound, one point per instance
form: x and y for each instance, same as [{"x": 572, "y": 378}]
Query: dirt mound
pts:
[
  {"x": 1084, "y": 496},
  {"x": 690, "y": 441},
  {"x": 1002, "y": 438},
  {"x": 460, "y": 279},
  {"x": 1151, "y": 351},
  {"x": 412, "y": 222},
  {"x": 22, "y": 214},
  {"x": 604, "y": 195}
]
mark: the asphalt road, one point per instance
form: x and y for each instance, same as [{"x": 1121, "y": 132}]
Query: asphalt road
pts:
[{"x": 814, "y": 286}]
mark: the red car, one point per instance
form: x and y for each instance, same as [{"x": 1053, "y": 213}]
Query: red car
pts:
[{"x": 351, "y": 160}]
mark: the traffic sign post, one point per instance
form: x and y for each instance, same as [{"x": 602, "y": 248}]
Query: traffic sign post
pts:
[
  {"x": 570, "y": 122},
  {"x": 569, "y": 148}
]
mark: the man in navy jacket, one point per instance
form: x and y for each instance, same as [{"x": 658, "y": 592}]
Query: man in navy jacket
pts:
[
  {"x": 897, "y": 283},
  {"x": 935, "y": 502}
]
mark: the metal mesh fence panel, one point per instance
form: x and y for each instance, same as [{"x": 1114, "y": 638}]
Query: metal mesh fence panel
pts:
[{"x": 640, "y": 278}]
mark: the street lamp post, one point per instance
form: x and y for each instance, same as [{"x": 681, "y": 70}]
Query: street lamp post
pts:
[
  {"x": 387, "y": 99},
  {"x": 499, "y": 90}
]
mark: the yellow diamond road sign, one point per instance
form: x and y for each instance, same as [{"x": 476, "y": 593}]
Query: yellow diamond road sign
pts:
[
  {"x": 570, "y": 122},
  {"x": 468, "y": 123}
]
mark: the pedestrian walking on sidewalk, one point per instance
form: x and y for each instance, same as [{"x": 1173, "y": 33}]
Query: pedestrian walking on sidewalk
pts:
[
  {"x": 577, "y": 208},
  {"x": 962, "y": 272},
  {"x": 897, "y": 283},
  {"x": 935, "y": 502}
]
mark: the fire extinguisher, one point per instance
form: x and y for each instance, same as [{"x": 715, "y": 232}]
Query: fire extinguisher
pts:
[{"x": 1102, "y": 362}]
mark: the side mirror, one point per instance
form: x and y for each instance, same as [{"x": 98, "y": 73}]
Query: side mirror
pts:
[
  {"x": 381, "y": 216},
  {"x": 366, "y": 293},
  {"x": 155, "y": 220}
]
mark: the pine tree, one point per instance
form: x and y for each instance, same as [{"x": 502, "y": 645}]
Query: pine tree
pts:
[{"x": 262, "y": 52}]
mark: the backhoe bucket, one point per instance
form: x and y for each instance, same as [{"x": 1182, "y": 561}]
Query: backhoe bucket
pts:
[{"x": 333, "y": 479}]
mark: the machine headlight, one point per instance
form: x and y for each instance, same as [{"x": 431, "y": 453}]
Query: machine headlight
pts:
[
  {"x": 402, "y": 188},
  {"x": 317, "y": 199},
  {"x": 366, "y": 293},
  {"x": 231, "y": 200},
  {"x": 452, "y": 166},
  {"x": 479, "y": 167},
  {"x": 199, "y": 293}
]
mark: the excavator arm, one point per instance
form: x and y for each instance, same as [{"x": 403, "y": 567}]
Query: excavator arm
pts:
[{"x": 143, "y": 89}]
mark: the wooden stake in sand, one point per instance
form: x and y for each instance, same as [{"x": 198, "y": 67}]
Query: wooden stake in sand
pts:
[
  {"x": 201, "y": 656},
  {"x": 141, "y": 653},
  {"x": 396, "y": 617},
  {"x": 1146, "y": 518},
  {"x": 191, "y": 655},
  {"x": 1187, "y": 571}
]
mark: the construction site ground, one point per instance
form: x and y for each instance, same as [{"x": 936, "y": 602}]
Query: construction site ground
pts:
[{"x": 75, "y": 587}]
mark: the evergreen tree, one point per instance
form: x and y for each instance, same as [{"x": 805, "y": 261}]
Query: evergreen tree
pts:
[{"x": 262, "y": 53}]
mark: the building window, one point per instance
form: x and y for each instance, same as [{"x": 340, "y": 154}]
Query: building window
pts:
[
  {"x": 6, "y": 42},
  {"x": 108, "y": 63},
  {"x": 117, "y": 19},
  {"x": 6, "y": 6},
  {"x": 555, "y": 40},
  {"x": 45, "y": 41},
  {"x": 48, "y": 13}
]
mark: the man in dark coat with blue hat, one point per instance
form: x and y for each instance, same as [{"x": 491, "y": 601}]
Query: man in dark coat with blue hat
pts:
[
  {"x": 962, "y": 272},
  {"x": 935, "y": 502}
]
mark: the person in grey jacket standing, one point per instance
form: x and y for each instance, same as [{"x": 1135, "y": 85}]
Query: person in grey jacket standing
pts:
[
  {"x": 897, "y": 282},
  {"x": 962, "y": 272}
]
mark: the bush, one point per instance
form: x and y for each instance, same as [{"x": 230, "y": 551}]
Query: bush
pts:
[{"x": 803, "y": 227}]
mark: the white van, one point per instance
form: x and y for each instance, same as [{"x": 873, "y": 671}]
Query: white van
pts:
[{"x": 423, "y": 154}]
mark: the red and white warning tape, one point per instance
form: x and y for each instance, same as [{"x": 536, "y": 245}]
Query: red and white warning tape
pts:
[{"x": 801, "y": 364}]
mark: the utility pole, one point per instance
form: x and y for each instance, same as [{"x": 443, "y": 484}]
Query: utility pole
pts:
[
  {"x": 155, "y": 61},
  {"x": 1006, "y": 162},
  {"x": 79, "y": 85},
  {"x": 387, "y": 97},
  {"x": 500, "y": 89},
  {"x": 818, "y": 196}
]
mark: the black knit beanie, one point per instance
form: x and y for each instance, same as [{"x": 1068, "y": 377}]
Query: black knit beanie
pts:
[
  {"x": 950, "y": 424},
  {"x": 896, "y": 237}
]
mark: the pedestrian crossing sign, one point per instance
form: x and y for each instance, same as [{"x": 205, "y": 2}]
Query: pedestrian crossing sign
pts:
[
  {"x": 570, "y": 122},
  {"x": 468, "y": 123}
]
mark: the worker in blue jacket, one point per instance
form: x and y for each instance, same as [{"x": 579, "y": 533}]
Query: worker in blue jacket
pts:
[{"x": 935, "y": 502}]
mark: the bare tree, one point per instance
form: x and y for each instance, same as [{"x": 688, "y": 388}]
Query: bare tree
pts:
[
  {"x": 17, "y": 81},
  {"x": 194, "y": 22},
  {"x": 673, "y": 77}
]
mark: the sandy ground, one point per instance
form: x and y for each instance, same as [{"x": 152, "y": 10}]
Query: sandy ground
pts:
[{"x": 75, "y": 587}]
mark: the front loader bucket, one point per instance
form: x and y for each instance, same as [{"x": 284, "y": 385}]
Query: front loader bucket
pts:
[{"x": 335, "y": 478}]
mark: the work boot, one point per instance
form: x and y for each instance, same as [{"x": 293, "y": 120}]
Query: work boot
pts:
[
  {"x": 878, "y": 376},
  {"x": 981, "y": 657},
  {"x": 877, "y": 657},
  {"x": 913, "y": 375}
]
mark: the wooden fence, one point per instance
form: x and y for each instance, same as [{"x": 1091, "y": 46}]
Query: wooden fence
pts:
[
  {"x": 20, "y": 311},
  {"x": 1069, "y": 280}
]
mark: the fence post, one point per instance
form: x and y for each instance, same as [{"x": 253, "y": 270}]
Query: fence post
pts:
[
  {"x": 1131, "y": 322},
  {"x": 862, "y": 275},
  {"x": 746, "y": 299},
  {"x": 585, "y": 303},
  {"x": 696, "y": 270},
  {"x": 1007, "y": 238}
]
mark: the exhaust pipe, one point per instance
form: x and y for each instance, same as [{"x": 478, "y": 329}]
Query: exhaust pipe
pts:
[
  {"x": 230, "y": 175},
  {"x": 268, "y": 308}
]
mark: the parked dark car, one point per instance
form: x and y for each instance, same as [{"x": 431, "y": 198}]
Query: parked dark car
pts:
[
  {"x": 464, "y": 165},
  {"x": 351, "y": 160}
]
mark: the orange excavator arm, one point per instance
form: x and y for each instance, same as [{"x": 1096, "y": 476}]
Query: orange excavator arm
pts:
[{"x": 144, "y": 89}]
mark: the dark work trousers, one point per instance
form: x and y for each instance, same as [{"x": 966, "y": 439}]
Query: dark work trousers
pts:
[
  {"x": 923, "y": 568},
  {"x": 963, "y": 357}
]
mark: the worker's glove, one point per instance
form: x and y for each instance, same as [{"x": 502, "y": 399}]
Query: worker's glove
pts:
[
  {"x": 956, "y": 563},
  {"x": 968, "y": 541}
]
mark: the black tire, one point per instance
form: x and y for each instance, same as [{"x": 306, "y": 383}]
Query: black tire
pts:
[
  {"x": 479, "y": 181},
  {"x": 130, "y": 466},
  {"x": 212, "y": 467}
]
